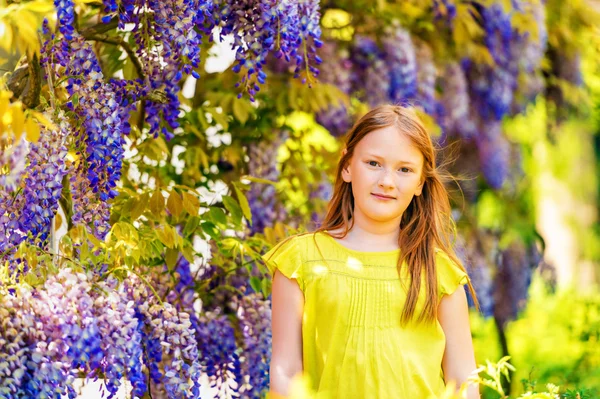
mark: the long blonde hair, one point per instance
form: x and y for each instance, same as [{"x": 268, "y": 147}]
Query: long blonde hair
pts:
[{"x": 426, "y": 223}]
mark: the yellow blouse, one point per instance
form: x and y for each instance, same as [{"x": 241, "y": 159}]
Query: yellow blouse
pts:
[{"x": 353, "y": 343}]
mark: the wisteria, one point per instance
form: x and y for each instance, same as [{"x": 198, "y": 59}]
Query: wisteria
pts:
[
  {"x": 320, "y": 196},
  {"x": 336, "y": 70},
  {"x": 377, "y": 83},
  {"x": 310, "y": 34},
  {"x": 455, "y": 102},
  {"x": 169, "y": 340},
  {"x": 121, "y": 341},
  {"x": 254, "y": 314},
  {"x": 12, "y": 159},
  {"x": 426, "y": 78},
  {"x": 494, "y": 154},
  {"x": 263, "y": 200},
  {"x": 218, "y": 348},
  {"x": 512, "y": 280},
  {"x": 26, "y": 213},
  {"x": 480, "y": 272},
  {"x": 400, "y": 58}
]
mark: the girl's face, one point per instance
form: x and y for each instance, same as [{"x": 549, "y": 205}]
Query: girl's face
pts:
[{"x": 384, "y": 162}]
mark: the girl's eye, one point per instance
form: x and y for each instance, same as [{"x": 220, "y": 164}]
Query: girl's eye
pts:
[{"x": 377, "y": 163}]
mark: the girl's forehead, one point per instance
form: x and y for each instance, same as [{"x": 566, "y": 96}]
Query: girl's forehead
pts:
[{"x": 389, "y": 143}]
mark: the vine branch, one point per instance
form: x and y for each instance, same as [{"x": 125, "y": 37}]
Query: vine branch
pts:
[{"x": 118, "y": 41}]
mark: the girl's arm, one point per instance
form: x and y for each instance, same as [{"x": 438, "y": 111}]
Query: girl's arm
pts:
[
  {"x": 286, "y": 321},
  {"x": 459, "y": 357}
]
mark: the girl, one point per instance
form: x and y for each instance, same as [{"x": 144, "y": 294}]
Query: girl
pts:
[{"x": 367, "y": 306}]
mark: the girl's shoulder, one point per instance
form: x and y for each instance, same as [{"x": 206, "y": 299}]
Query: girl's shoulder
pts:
[
  {"x": 288, "y": 256},
  {"x": 450, "y": 274}
]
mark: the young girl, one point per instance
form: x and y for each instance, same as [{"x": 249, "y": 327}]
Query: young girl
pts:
[{"x": 367, "y": 306}]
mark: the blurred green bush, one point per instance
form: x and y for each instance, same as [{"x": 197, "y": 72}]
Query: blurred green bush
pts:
[{"x": 555, "y": 340}]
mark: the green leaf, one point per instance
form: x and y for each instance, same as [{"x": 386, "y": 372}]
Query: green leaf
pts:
[
  {"x": 216, "y": 215},
  {"x": 166, "y": 236},
  {"x": 171, "y": 257},
  {"x": 255, "y": 283},
  {"x": 240, "y": 111},
  {"x": 234, "y": 209},
  {"x": 265, "y": 287},
  {"x": 210, "y": 229},
  {"x": 139, "y": 206},
  {"x": 190, "y": 225},
  {"x": 243, "y": 203},
  {"x": 191, "y": 203},
  {"x": 188, "y": 253},
  {"x": 157, "y": 204},
  {"x": 175, "y": 204},
  {"x": 225, "y": 102},
  {"x": 221, "y": 119}
]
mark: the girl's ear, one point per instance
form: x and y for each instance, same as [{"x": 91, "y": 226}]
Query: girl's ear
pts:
[
  {"x": 419, "y": 188},
  {"x": 346, "y": 170}
]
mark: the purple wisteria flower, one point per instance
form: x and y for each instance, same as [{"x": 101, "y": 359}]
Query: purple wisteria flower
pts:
[
  {"x": 27, "y": 213},
  {"x": 170, "y": 343},
  {"x": 219, "y": 352},
  {"x": 426, "y": 78},
  {"x": 377, "y": 83},
  {"x": 494, "y": 154},
  {"x": 12, "y": 158},
  {"x": 309, "y": 40},
  {"x": 263, "y": 199},
  {"x": 121, "y": 341},
  {"x": 254, "y": 315},
  {"x": 400, "y": 59},
  {"x": 455, "y": 102},
  {"x": 336, "y": 70}
]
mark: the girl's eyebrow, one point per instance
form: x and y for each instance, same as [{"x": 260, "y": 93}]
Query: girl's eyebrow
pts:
[{"x": 399, "y": 162}]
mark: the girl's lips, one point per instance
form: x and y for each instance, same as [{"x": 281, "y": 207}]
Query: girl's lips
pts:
[{"x": 382, "y": 197}]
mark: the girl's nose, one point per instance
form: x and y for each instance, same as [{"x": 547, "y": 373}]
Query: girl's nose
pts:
[{"x": 385, "y": 180}]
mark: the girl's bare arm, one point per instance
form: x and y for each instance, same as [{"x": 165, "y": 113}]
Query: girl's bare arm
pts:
[
  {"x": 459, "y": 357},
  {"x": 287, "y": 309}
]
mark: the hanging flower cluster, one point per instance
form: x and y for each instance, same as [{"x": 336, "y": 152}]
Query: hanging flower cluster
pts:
[
  {"x": 26, "y": 212},
  {"x": 263, "y": 200}
]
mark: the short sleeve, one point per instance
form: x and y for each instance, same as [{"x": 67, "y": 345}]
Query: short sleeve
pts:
[
  {"x": 287, "y": 257},
  {"x": 450, "y": 275}
]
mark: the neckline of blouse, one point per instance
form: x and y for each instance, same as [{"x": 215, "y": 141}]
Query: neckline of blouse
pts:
[{"x": 357, "y": 252}]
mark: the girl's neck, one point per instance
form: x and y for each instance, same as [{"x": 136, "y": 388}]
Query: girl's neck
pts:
[{"x": 362, "y": 240}]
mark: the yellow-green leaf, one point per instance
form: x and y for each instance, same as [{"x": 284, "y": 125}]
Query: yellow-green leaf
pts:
[
  {"x": 240, "y": 111},
  {"x": 175, "y": 204},
  {"x": 191, "y": 203},
  {"x": 139, "y": 206},
  {"x": 243, "y": 203},
  {"x": 234, "y": 209},
  {"x": 190, "y": 225},
  {"x": 171, "y": 257},
  {"x": 166, "y": 236},
  {"x": 188, "y": 253},
  {"x": 157, "y": 204}
]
